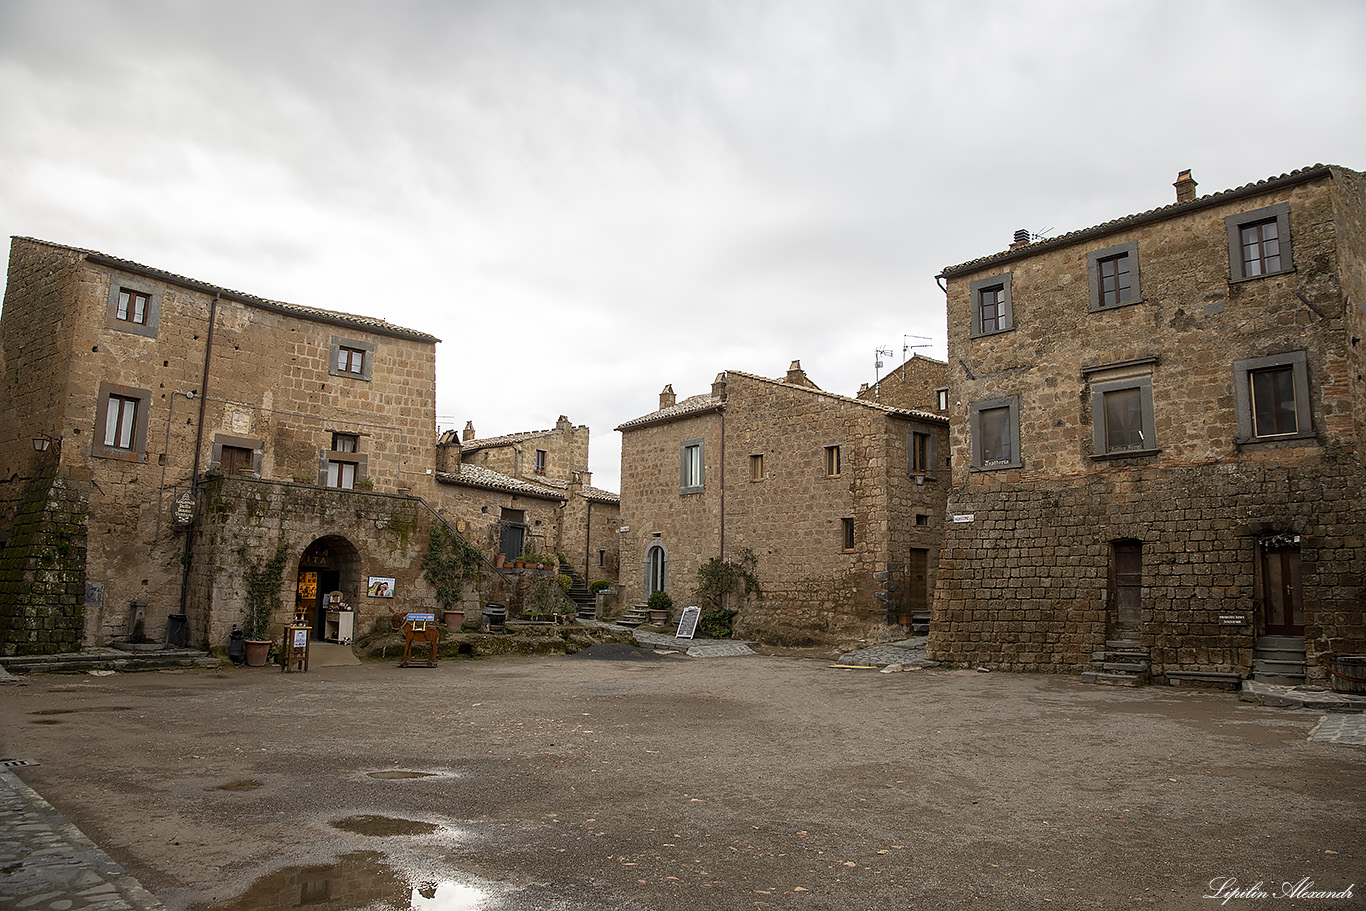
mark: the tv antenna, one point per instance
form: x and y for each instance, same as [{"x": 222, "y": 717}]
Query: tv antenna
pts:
[
  {"x": 878, "y": 354},
  {"x": 907, "y": 346}
]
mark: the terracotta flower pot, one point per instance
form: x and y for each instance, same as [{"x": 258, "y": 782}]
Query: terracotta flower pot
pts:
[
  {"x": 455, "y": 619},
  {"x": 257, "y": 651}
]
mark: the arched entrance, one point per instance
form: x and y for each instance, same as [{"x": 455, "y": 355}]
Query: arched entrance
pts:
[
  {"x": 656, "y": 568},
  {"x": 329, "y": 564}
]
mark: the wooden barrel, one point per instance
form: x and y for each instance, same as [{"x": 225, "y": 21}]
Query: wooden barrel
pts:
[{"x": 1349, "y": 674}]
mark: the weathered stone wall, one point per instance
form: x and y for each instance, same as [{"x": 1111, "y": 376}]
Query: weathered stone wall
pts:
[
  {"x": 603, "y": 521},
  {"x": 911, "y": 385},
  {"x": 1021, "y": 583},
  {"x": 42, "y": 566},
  {"x": 652, "y": 508},
  {"x": 477, "y": 513},
  {"x": 242, "y": 521},
  {"x": 792, "y": 517}
]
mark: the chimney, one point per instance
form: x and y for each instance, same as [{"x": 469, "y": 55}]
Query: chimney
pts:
[
  {"x": 718, "y": 386},
  {"x": 469, "y": 432},
  {"x": 1185, "y": 186},
  {"x": 563, "y": 424},
  {"x": 667, "y": 397},
  {"x": 1021, "y": 238},
  {"x": 795, "y": 373}
]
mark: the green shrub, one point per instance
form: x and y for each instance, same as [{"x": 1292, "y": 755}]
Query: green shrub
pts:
[
  {"x": 564, "y": 582},
  {"x": 660, "y": 601},
  {"x": 716, "y": 622},
  {"x": 599, "y": 585}
]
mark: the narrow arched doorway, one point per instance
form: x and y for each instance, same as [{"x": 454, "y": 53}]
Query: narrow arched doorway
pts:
[{"x": 330, "y": 564}]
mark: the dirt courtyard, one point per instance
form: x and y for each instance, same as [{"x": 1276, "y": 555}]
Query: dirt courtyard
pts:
[{"x": 735, "y": 783}]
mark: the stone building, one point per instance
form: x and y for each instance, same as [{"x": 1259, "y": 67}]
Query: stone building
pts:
[
  {"x": 1156, "y": 427},
  {"x": 531, "y": 491},
  {"x": 920, "y": 383},
  {"x": 193, "y": 438},
  {"x": 840, "y": 500}
]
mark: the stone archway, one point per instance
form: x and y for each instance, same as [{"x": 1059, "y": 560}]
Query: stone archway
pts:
[{"x": 330, "y": 563}]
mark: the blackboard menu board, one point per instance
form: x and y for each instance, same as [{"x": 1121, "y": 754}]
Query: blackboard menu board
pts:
[{"x": 687, "y": 626}]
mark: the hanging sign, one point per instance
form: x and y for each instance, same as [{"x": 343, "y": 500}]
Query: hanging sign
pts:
[
  {"x": 687, "y": 625},
  {"x": 184, "y": 508}
]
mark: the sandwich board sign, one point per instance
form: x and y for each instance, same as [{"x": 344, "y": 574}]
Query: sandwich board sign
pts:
[{"x": 687, "y": 626}]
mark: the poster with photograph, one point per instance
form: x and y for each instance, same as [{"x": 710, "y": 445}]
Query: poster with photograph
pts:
[{"x": 380, "y": 587}]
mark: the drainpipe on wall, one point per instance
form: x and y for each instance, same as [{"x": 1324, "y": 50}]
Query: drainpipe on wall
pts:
[
  {"x": 722, "y": 555},
  {"x": 198, "y": 446},
  {"x": 587, "y": 539}
]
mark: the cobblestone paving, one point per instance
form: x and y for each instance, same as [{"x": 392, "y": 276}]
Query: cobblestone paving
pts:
[
  {"x": 695, "y": 648},
  {"x": 910, "y": 652},
  {"x": 1340, "y": 729},
  {"x": 47, "y": 864}
]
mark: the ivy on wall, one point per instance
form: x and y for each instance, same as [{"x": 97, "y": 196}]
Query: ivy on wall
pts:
[{"x": 449, "y": 563}]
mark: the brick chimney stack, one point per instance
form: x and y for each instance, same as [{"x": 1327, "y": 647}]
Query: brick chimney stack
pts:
[
  {"x": 667, "y": 397},
  {"x": 468, "y": 433},
  {"x": 1185, "y": 186},
  {"x": 795, "y": 373}
]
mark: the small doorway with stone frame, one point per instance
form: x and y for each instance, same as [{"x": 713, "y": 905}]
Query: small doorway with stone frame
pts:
[
  {"x": 331, "y": 563},
  {"x": 1282, "y": 591},
  {"x": 1126, "y": 589}
]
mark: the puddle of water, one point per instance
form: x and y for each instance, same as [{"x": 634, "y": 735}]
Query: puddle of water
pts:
[
  {"x": 399, "y": 774},
  {"x": 358, "y": 880},
  {"x": 92, "y": 708},
  {"x": 245, "y": 784},
  {"x": 383, "y": 826},
  {"x": 45, "y": 721}
]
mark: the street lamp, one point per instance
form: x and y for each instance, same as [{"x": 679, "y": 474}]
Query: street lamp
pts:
[{"x": 41, "y": 443}]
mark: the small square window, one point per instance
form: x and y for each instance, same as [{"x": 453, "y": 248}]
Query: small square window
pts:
[
  {"x": 847, "y": 528},
  {"x": 341, "y": 474},
  {"x": 992, "y": 308},
  {"x": 344, "y": 442},
  {"x": 132, "y": 306},
  {"x": 1259, "y": 243},
  {"x": 832, "y": 461},
  {"x": 756, "y": 467},
  {"x": 1272, "y": 397},
  {"x": 922, "y": 519},
  {"x": 351, "y": 358}
]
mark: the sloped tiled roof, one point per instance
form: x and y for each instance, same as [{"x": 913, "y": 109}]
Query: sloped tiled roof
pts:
[
  {"x": 693, "y": 405},
  {"x": 598, "y": 495},
  {"x": 1298, "y": 176},
  {"x": 369, "y": 323},
  {"x": 701, "y": 404},
  {"x": 504, "y": 440},
  {"x": 486, "y": 479}
]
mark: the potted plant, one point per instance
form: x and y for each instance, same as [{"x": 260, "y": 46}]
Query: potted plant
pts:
[
  {"x": 263, "y": 599},
  {"x": 660, "y": 606}
]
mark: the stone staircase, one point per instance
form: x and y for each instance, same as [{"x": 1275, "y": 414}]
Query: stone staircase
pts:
[
  {"x": 585, "y": 604},
  {"x": 635, "y": 616},
  {"x": 920, "y": 623},
  {"x": 110, "y": 659},
  {"x": 1124, "y": 662},
  {"x": 1279, "y": 660}
]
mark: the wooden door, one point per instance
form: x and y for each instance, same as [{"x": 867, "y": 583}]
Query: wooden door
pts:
[
  {"x": 1128, "y": 588},
  {"x": 917, "y": 581},
  {"x": 1282, "y": 596},
  {"x": 234, "y": 459}
]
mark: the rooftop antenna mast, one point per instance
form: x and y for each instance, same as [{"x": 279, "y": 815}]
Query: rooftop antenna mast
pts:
[{"x": 907, "y": 346}]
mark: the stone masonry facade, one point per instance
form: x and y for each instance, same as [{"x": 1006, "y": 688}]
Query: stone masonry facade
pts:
[
  {"x": 817, "y": 486},
  {"x": 1198, "y": 473}
]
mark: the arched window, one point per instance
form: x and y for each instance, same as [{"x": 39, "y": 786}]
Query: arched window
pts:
[{"x": 656, "y": 569}]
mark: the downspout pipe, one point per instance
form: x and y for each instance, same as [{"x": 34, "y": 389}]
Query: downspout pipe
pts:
[
  {"x": 198, "y": 446},
  {"x": 722, "y": 554}
]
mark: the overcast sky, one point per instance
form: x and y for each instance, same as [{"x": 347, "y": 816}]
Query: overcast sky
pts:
[{"x": 588, "y": 200}]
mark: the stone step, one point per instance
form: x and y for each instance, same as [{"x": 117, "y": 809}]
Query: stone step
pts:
[
  {"x": 1121, "y": 667},
  {"x": 1114, "y": 655},
  {"x": 634, "y": 617},
  {"x": 1279, "y": 679},
  {"x": 1107, "y": 679},
  {"x": 109, "y": 659},
  {"x": 1278, "y": 654},
  {"x": 1228, "y": 679},
  {"x": 1274, "y": 666},
  {"x": 1293, "y": 642}
]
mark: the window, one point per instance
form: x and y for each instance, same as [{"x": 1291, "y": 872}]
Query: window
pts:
[
  {"x": 134, "y": 306},
  {"x": 922, "y": 453},
  {"x": 832, "y": 461},
  {"x": 922, "y": 519},
  {"x": 847, "y": 528},
  {"x": 690, "y": 467},
  {"x": 1272, "y": 397},
  {"x": 541, "y": 459},
  {"x": 236, "y": 455},
  {"x": 602, "y": 558},
  {"x": 342, "y": 465},
  {"x": 941, "y": 400},
  {"x": 1113, "y": 276},
  {"x": 1259, "y": 243},
  {"x": 121, "y": 423},
  {"x": 351, "y": 358},
  {"x": 1122, "y": 416},
  {"x": 756, "y": 467},
  {"x": 992, "y": 310},
  {"x": 995, "y": 428},
  {"x": 341, "y": 474}
]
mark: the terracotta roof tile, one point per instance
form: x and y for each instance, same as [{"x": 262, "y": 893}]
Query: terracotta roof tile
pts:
[{"x": 487, "y": 479}]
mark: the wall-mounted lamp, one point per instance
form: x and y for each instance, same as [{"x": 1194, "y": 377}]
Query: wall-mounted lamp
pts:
[{"x": 41, "y": 443}]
